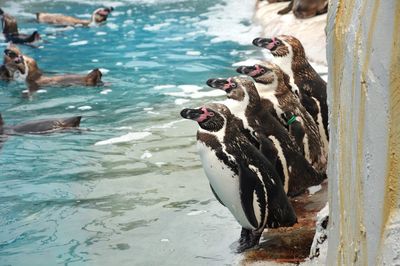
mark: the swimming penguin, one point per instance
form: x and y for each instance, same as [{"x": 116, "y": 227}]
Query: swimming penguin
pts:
[
  {"x": 296, "y": 172},
  {"x": 243, "y": 180},
  {"x": 10, "y": 31},
  {"x": 13, "y": 64},
  {"x": 41, "y": 126},
  {"x": 290, "y": 56},
  {"x": 273, "y": 84},
  {"x": 26, "y": 69},
  {"x": 98, "y": 16}
]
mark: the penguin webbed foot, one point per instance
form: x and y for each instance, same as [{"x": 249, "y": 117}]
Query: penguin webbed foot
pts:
[{"x": 247, "y": 240}]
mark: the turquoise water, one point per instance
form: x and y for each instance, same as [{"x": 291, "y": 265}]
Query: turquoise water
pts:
[{"x": 129, "y": 189}]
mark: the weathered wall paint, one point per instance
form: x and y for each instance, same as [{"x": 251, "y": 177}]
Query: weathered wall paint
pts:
[{"x": 363, "y": 56}]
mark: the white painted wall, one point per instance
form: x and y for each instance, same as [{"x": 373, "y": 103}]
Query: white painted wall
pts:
[{"x": 363, "y": 53}]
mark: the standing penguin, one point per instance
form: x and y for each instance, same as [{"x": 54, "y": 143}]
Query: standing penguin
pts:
[
  {"x": 242, "y": 179},
  {"x": 289, "y": 55},
  {"x": 296, "y": 172},
  {"x": 273, "y": 84}
]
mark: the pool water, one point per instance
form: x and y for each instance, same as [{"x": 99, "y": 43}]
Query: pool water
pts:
[{"x": 128, "y": 189}]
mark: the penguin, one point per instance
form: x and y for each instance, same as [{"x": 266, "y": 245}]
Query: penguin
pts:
[
  {"x": 10, "y": 31},
  {"x": 273, "y": 84},
  {"x": 289, "y": 55},
  {"x": 13, "y": 64},
  {"x": 305, "y": 8},
  {"x": 244, "y": 181},
  {"x": 26, "y": 69},
  {"x": 296, "y": 172},
  {"x": 41, "y": 126},
  {"x": 98, "y": 16}
]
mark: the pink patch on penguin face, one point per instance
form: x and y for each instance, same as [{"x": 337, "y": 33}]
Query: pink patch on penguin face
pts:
[
  {"x": 229, "y": 85},
  {"x": 256, "y": 71},
  {"x": 206, "y": 114},
  {"x": 272, "y": 44}
]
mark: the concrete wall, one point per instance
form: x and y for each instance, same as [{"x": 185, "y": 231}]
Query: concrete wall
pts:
[{"x": 363, "y": 53}]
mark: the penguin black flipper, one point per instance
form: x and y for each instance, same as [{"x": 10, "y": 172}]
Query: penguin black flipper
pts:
[
  {"x": 267, "y": 148},
  {"x": 280, "y": 210},
  {"x": 250, "y": 187},
  {"x": 311, "y": 106},
  {"x": 216, "y": 196}
]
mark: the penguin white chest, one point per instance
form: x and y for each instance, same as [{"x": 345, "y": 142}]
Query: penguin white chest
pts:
[{"x": 224, "y": 182}]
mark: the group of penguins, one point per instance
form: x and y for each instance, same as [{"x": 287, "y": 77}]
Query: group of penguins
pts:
[
  {"x": 20, "y": 67},
  {"x": 268, "y": 141}
]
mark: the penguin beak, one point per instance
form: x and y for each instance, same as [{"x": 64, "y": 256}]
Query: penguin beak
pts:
[
  {"x": 265, "y": 43},
  {"x": 244, "y": 69},
  {"x": 217, "y": 83},
  {"x": 192, "y": 114}
]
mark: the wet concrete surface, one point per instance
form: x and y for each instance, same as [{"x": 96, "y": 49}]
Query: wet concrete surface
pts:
[{"x": 290, "y": 245}]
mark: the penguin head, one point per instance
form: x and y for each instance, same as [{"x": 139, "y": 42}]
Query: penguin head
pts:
[
  {"x": 262, "y": 73},
  {"x": 14, "y": 60},
  {"x": 231, "y": 86},
  {"x": 212, "y": 117},
  {"x": 275, "y": 45},
  {"x": 100, "y": 15}
]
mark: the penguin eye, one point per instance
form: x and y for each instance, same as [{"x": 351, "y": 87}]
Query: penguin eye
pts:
[
  {"x": 262, "y": 70},
  {"x": 211, "y": 114},
  {"x": 277, "y": 42},
  {"x": 233, "y": 85}
]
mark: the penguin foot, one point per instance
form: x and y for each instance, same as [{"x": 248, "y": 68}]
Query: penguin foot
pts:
[{"x": 247, "y": 240}]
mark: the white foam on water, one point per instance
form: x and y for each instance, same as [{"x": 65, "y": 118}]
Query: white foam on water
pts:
[
  {"x": 128, "y": 22},
  {"x": 146, "y": 155},
  {"x": 70, "y": 107},
  {"x": 174, "y": 39},
  {"x": 112, "y": 26},
  {"x": 124, "y": 128},
  {"x": 124, "y": 138},
  {"x": 156, "y": 27},
  {"x": 166, "y": 125},
  {"x": 194, "y": 53},
  {"x": 119, "y": 64},
  {"x": 181, "y": 101},
  {"x": 58, "y": 29},
  {"x": 78, "y": 43},
  {"x": 99, "y": 33},
  {"x": 225, "y": 23},
  {"x": 85, "y": 107},
  {"x": 106, "y": 91},
  {"x": 148, "y": 108},
  {"x": 41, "y": 91},
  {"x": 194, "y": 92},
  {"x": 195, "y": 33},
  {"x": 248, "y": 62},
  {"x": 95, "y": 60},
  {"x": 161, "y": 87},
  {"x": 104, "y": 71}
]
